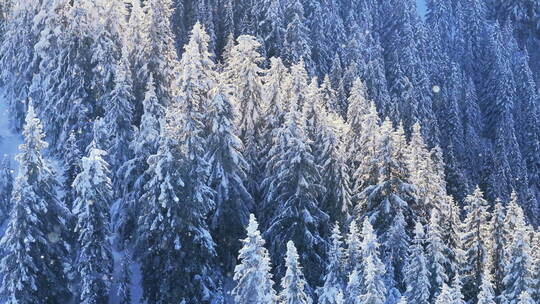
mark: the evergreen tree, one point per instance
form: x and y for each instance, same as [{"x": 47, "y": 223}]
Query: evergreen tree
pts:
[
  {"x": 333, "y": 279},
  {"x": 244, "y": 73},
  {"x": 293, "y": 283},
  {"x": 187, "y": 124},
  {"x": 525, "y": 298},
  {"x": 162, "y": 57},
  {"x": 292, "y": 192},
  {"x": 270, "y": 26},
  {"x": 374, "y": 289},
  {"x": 354, "y": 249},
  {"x": 118, "y": 116},
  {"x": 66, "y": 73},
  {"x": 354, "y": 288},
  {"x": 391, "y": 195},
  {"x": 275, "y": 98},
  {"x": 498, "y": 245},
  {"x": 34, "y": 244},
  {"x": 445, "y": 296},
  {"x": 297, "y": 43},
  {"x": 145, "y": 143},
  {"x": 475, "y": 242},
  {"x": 6, "y": 188},
  {"x": 436, "y": 254},
  {"x": 324, "y": 131},
  {"x": 363, "y": 139},
  {"x": 517, "y": 276},
  {"x": 177, "y": 197},
  {"x": 252, "y": 275},
  {"x": 486, "y": 294},
  {"x": 416, "y": 271},
  {"x": 19, "y": 35},
  {"x": 137, "y": 45},
  {"x": 93, "y": 198},
  {"x": 227, "y": 176}
]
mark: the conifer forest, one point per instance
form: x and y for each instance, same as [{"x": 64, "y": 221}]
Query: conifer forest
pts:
[{"x": 269, "y": 151}]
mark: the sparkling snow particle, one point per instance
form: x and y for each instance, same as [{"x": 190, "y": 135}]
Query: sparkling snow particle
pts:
[
  {"x": 436, "y": 89},
  {"x": 53, "y": 237}
]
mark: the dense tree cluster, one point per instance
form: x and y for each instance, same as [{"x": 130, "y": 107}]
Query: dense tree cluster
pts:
[{"x": 176, "y": 124}]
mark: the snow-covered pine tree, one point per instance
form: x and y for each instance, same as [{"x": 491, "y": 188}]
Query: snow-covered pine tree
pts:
[
  {"x": 525, "y": 298},
  {"x": 324, "y": 130},
  {"x": 118, "y": 119},
  {"x": 486, "y": 295},
  {"x": 374, "y": 289},
  {"x": 513, "y": 218},
  {"x": 94, "y": 260},
  {"x": 475, "y": 242},
  {"x": 420, "y": 168},
  {"x": 334, "y": 276},
  {"x": 227, "y": 176},
  {"x": 145, "y": 143},
  {"x": 137, "y": 42},
  {"x": 186, "y": 124},
  {"x": 436, "y": 251},
  {"x": 517, "y": 271},
  {"x": 274, "y": 95},
  {"x": 354, "y": 288},
  {"x": 162, "y": 58},
  {"x": 253, "y": 276},
  {"x": 416, "y": 271},
  {"x": 6, "y": 188},
  {"x": 445, "y": 296},
  {"x": 34, "y": 244},
  {"x": 297, "y": 42},
  {"x": 292, "y": 192},
  {"x": 353, "y": 252},
  {"x": 107, "y": 48},
  {"x": 388, "y": 203},
  {"x": 457, "y": 290},
  {"x": 244, "y": 73},
  {"x": 66, "y": 72},
  {"x": 335, "y": 172},
  {"x": 362, "y": 139},
  {"x": 270, "y": 26},
  {"x": 336, "y": 80},
  {"x": 159, "y": 227},
  {"x": 329, "y": 96},
  {"x": 497, "y": 246},
  {"x": 17, "y": 60},
  {"x": 293, "y": 283}
]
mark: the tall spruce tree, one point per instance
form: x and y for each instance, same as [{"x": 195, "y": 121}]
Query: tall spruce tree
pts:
[
  {"x": 292, "y": 192},
  {"x": 293, "y": 283},
  {"x": 475, "y": 243},
  {"x": 91, "y": 207},
  {"x": 35, "y": 242},
  {"x": 374, "y": 289},
  {"x": 416, "y": 271},
  {"x": 334, "y": 276},
  {"x": 253, "y": 275},
  {"x": 243, "y": 72},
  {"x": 227, "y": 176}
]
